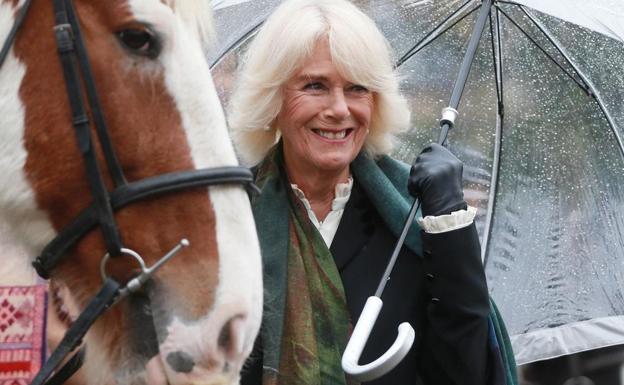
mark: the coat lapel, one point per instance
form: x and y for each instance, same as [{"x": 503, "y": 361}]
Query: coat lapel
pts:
[{"x": 354, "y": 230}]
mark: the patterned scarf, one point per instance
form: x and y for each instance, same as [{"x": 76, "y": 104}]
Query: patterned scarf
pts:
[{"x": 315, "y": 325}]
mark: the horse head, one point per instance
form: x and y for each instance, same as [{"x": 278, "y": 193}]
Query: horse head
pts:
[{"x": 195, "y": 320}]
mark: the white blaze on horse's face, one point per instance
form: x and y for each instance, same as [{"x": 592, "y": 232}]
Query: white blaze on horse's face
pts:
[
  {"x": 30, "y": 226},
  {"x": 196, "y": 321}
]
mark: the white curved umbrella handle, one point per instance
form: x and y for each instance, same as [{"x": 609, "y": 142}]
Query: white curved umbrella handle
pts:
[{"x": 356, "y": 344}]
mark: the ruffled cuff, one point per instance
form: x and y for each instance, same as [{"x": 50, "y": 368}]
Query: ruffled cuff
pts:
[{"x": 453, "y": 221}]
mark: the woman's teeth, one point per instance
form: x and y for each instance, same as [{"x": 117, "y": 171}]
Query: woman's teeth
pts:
[{"x": 332, "y": 134}]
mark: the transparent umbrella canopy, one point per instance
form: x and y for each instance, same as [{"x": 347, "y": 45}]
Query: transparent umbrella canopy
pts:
[{"x": 544, "y": 162}]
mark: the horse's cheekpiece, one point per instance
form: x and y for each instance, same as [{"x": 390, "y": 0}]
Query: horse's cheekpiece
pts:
[{"x": 76, "y": 69}]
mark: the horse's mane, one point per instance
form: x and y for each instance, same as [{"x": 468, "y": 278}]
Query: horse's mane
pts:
[{"x": 196, "y": 13}]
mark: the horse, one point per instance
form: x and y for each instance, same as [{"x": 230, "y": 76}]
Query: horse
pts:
[{"x": 103, "y": 205}]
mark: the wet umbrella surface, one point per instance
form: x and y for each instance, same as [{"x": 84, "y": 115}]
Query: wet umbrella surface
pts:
[{"x": 543, "y": 159}]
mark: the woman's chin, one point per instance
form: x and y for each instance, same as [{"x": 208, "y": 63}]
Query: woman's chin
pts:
[{"x": 335, "y": 161}]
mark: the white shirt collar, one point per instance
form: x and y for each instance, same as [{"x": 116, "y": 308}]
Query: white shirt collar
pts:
[{"x": 329, "y": 226}]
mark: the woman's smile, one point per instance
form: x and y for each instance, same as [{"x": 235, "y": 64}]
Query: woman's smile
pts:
[{"x": 332, "y": 135}]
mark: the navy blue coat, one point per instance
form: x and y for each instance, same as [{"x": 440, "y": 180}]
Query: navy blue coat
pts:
[{"x": 443, "y": 295}]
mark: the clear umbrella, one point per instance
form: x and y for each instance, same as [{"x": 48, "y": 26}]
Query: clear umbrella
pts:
[{"x": 543, "y": 159}]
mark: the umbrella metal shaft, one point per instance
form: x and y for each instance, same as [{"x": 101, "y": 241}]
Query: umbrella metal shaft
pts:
[
  {"x": 456, "y": 95},
  {"x": 464, "y": 70}
]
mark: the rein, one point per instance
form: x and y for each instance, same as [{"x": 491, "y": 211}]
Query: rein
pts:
[{"x": 77, "y": 71}]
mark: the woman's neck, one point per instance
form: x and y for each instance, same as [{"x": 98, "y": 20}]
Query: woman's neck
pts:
[{"x": 319, "y": 187}]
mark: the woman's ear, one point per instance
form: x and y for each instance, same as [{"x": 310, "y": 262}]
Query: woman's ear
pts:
[{"x": 272, "y": 125}]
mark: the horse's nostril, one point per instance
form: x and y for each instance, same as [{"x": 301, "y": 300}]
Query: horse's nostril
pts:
[
  {"x": 231, "y": 337},
  {"x": 180, "y": 361},
  {"x": 225, "y": 337}
]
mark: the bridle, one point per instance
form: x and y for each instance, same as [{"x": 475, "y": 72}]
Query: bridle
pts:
[{"x": 76, "y": 71}]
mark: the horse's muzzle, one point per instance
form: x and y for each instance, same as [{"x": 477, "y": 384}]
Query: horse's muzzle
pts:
[{"x": 211, "y": 350}]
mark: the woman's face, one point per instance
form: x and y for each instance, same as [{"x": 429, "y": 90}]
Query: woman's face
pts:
[{"x": 324, "y": 118}]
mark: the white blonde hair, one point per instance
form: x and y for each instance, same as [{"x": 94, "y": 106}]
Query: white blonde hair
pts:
[{"x": 288, "y": 37}]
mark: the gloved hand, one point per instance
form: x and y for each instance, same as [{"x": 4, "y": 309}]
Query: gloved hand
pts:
[{"x": 436, "y": 179}]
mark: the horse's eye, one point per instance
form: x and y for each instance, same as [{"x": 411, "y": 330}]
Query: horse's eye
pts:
[{"x": 140, "y": 41}]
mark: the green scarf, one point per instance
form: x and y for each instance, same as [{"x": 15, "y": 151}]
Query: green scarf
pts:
[
  {"x": 306, "y": 323},
  {"x": 304, "y": 332}
]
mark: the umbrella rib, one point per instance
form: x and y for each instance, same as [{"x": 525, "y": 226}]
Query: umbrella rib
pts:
[
  {"x": 236, "y": 43},
  {"x": 592, "y": 91},
  {"x": 498, "y": 69},
  {"x": 500, "y": 53},
  {"x": 493, "y": 189},
  {"x": 497, "y": 74},
  {"x": 583, "y": 86},
  {"x": 431, "y": 36}
]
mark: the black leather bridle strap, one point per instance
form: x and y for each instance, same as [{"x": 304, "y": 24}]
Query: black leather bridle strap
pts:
[
  {"x": 73, "y": 337},
  {"x": 68, "y": 369},
  {"x": 19, "y": 19},
  {"x": 132, "y": 192},
  {"x": 94, "y": 101},
  {"x": 80, "y": 120}
]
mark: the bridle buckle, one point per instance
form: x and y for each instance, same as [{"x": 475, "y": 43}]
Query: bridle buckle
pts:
[{"x": 59, "y": 28}]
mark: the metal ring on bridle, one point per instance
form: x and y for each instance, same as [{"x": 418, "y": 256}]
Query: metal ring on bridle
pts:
[{"x": 125, "y": 251}]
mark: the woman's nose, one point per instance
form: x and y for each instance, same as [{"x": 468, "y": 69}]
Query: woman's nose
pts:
[{"x": 338, "y": 107}]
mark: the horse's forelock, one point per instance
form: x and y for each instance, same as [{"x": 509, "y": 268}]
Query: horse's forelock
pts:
[{"x": 197, "y": 14}]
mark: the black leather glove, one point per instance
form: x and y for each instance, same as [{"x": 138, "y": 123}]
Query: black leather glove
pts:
[{"x": 436, "y": 179}]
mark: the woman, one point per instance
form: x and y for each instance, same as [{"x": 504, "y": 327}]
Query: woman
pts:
[{"x": 316, "y": 107}]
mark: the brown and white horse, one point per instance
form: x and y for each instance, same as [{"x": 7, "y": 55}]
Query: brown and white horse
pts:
[{"x": 197, "y": 320}]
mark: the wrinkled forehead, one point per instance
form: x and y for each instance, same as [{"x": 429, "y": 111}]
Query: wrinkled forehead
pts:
[{"x": 163, "y": 15}]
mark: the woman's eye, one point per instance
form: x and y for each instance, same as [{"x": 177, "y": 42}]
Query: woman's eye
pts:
[
  {"x": 358, "y": 88},
  {"x": 140, "y": 41},
  {"x": 314, "y": 86}
]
